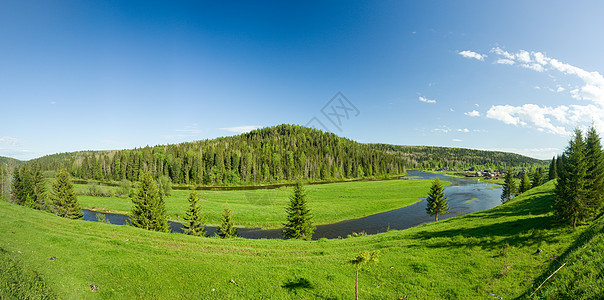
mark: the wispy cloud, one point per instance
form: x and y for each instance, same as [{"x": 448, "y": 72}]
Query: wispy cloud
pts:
[
  {"x": 426, "y": 100},
  {"x": 559, "y": 119},
  {"x": 473, "y": 113},
  {"x": 472, "y": 54},
  {"x": 457, "y": 140},
  {"x": 10, "y": 141},
  {"x": 187, "y": 132},
  {"x": 464, "y": 130},
  {"x": 241, "y": 129}
]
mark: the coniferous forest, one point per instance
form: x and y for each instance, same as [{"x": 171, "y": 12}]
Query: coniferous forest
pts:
[{"x": 272, "y": 155}]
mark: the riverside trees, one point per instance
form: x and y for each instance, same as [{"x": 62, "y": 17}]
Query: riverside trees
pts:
[
  {"x": 63, "y": 199},
  {"x": 149, "y": 211},
  {"x": 299, "y": 219},
  {"x": 437, "y": 202}
]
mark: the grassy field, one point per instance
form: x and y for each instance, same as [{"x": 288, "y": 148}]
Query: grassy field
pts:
[
  {"x": 485, "y": 255},
  {"x": 329, "y": 203}
]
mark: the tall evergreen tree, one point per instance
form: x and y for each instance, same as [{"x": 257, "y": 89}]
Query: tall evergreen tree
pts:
[
  {"x": 437, "y": 202},
  {"x": 509, "y": 187},
  {"x": 194, "y": 225},
  {"x": 227, "y": 228},
  {"x": 149, "y": 211},
  {"x": 63, "y": 198},
  {"x": 38, "y": 187},
  {"x": 571, "y": 196},
  {"x": 553, "y": 166},
  {"x": 525, "y": 184},
  {"x": 595, "y": 171},
  {"x": 538, "y": 178},
  {"x": 299, "y": 219}
]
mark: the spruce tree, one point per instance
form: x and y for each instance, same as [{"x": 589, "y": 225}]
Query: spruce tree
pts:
[
  {"x": 571, "y": 195},
  {"x": 149, "y": 211},
  {"x": 525, "y": 184},
  {"x": 437, "y": 202},
  {"x": 553, "y": 166},
  {"x": 299, "y": 219},
  {"x": 63, "y": 198},
  {"x": 194, "y": 225},
  {"x": 509, "y": 187},
  {"x": 537, "y": 178},
  {"x": 227, "y": 228},
  {"x": 594, "y": 172},
  {"x": 38, "y": 188}
]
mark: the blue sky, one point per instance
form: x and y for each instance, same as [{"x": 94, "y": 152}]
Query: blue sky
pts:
[{"x": 96, "y": 75}]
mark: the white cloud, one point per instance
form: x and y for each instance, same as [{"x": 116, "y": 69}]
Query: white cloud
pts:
[
  {"x": 473, "y": 113},
  {"x": 53, "y": 102},
  {"x": 241, "y": 129},
  {"x": 472, "y": 54},
  {"x": 457, "y": 140},
  {"x": 505, "y": 61},
  {"x": 10, "y": 141},
  {"x": 423, "y": 99},
  {"x": 464, "y": 130},
  {"x": 443, "y": 129},
  {"x": 555, "y": 120}
]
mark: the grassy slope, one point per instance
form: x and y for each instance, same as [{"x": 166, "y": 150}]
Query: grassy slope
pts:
[
  {"x": 474, "y": 256},
  {"x": 329, "y": 203}
]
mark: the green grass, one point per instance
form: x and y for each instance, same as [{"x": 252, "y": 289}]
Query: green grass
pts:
[
  {"x": 330, "y": 203},
  {"x": 478, "y": 256}
]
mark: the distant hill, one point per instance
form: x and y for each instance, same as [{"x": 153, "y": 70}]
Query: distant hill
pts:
[
  {"x": 272, "y": 154},
  {"x": 457, "y": 158},
  {"x": 8, "y": 160}
]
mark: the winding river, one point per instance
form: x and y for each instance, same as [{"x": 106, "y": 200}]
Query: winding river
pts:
[{"x": 465, "y": 196}]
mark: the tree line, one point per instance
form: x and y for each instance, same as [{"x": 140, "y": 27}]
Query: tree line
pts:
[
  {"x": 274, "y": 154},
  {"x": 431, "y": 157}
]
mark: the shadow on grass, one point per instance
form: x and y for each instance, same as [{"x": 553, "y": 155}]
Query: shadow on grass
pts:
[{"x": 522, "y": 223}]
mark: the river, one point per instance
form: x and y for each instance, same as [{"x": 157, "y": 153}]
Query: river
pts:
[{"x": 465, "y": 196}]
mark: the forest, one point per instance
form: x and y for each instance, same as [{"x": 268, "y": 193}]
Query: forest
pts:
[
  {"x": 431, "y": 157},
  {"x": 283, "y": 153},
  {"x": 274, "y": 154}
]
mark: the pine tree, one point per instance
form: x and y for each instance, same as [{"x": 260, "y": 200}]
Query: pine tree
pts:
[
  {"x": 525, "y": 184},
  {"x": 63, "y": 198},
  {"x": 149, "y": 211},
  {"x": 594, "y": 172},
  {"x": 194, "y": 225},
  {"x": 553, "y": 166},
  {"x": 437, "y": 202},
  {"x": 571, "y": 196},
  {"x": 299, "y": 224},
  {"x": 509, "y": 187},
  {"x": 227, "y": 228},
  {"x": 538, "y": 178}
]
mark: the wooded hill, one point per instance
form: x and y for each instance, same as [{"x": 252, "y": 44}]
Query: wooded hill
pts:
[
  {"x": 273, "y": 154},
  {"x": 429, "y": 157},
  {"x": 270, "y": 155}
]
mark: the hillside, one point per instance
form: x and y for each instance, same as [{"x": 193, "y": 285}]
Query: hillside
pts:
[
  {"x": 9, "y": 161},
  {"x": 272, "y": 154},
  {"x": 457, "y": 158},
  {"x": 478, "y": 256}
]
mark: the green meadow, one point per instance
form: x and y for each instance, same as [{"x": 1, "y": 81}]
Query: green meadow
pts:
[
  {"x": 330, "y": 203},
  {"x": 484, "y": 255}
]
